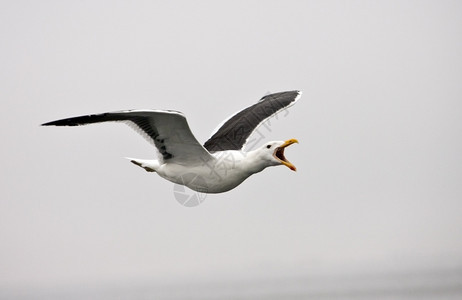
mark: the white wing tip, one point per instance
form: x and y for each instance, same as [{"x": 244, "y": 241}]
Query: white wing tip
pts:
[{"x": 299, "y": 95}]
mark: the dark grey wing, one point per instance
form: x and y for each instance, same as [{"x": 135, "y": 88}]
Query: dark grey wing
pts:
[
  {"x": 167, "y": 130},
  {"x": 235, "y": 132}
]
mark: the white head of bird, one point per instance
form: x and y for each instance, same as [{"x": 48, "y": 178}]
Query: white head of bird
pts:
[{"x": 273, "y": 153}]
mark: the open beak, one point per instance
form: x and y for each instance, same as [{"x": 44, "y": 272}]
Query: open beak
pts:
[{"x": 279, "y": 154}]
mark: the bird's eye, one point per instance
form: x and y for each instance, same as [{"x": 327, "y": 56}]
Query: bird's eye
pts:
[{"x": 268, "y": 146}]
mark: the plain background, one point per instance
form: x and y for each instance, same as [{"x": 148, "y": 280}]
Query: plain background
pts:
[{"x": 378, "y": 185}]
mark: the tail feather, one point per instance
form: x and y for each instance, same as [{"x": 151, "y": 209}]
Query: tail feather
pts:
[{"x": 147, "y": 164}]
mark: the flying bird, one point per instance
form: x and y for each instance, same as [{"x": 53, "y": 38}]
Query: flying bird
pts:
[{"x": 221, "y": 163}]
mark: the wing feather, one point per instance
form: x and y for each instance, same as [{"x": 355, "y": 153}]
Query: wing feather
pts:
[
  {"x": 167, "y": 130},
  {"x": 235, "y": 132}
]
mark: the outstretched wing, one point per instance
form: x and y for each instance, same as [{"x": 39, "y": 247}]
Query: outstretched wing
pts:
[
  {"x": 235, "y": 132},
  {"x": 167, "y": 130}
]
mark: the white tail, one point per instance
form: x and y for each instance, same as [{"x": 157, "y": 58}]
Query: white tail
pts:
[{"x": 149, "y": 165}]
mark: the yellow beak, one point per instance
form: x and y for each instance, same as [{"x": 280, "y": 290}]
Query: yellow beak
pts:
[{"x": 279, "y": 154}]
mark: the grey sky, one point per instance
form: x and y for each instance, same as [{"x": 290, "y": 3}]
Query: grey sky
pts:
[{"x": 379, "y": 124}]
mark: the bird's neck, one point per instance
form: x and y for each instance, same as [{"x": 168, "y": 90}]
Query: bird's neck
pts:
[{"x": 240, "y": 162}]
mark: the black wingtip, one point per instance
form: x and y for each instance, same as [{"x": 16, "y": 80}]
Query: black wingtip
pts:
[
  {"x": 63, "y": 122},
  {"x": 76, "y": 121},
  {"x": 47, "y": 124}
]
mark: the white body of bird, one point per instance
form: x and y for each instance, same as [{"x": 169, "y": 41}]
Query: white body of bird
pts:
[{"x": 224, "y": 171}]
